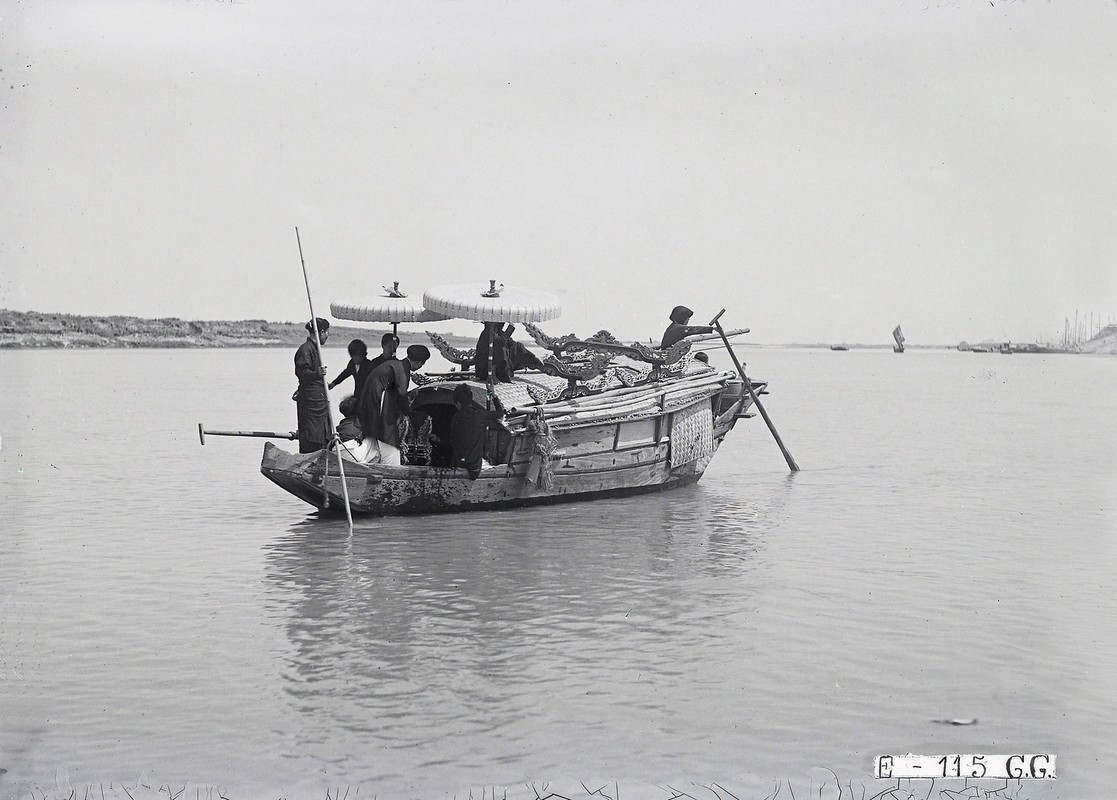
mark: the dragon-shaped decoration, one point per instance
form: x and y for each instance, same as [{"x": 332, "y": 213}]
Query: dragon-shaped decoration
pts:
[
  {"x": 417, "y": 444},
  {"x": 451, "y": 353},
  {"x": 605, "y": 342},
  {"x": 394, "y": 291},
  {"x": 603, "y": 337},
  {"x": 679, "y": 367},
  {"x": 575, "y": 371},
  {"x": 542, "y": 396},
  {"x": 555, "y": 345}
]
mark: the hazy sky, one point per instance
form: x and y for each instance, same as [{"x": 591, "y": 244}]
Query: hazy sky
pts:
[{"x": 823, "y": 170}]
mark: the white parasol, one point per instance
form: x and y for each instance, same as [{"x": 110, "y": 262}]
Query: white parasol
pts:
[
  {"x": 393, "y": 306},
  {"x": 492, "y": 302}
]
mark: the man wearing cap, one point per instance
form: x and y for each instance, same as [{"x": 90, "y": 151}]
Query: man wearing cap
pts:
[
  {"x": 383, "y": 401},
  {"x": 311, "y": 404}
]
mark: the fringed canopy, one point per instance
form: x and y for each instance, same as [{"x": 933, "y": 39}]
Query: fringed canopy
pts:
[
  {"x": 483, "y": 302},
  {"x": 386, "y": 309}
]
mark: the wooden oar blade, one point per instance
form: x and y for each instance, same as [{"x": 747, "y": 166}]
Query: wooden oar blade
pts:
[{"x": 202, "y": 431}]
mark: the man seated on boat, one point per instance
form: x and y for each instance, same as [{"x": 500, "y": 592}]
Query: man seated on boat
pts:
[
  {"x": 507, "y": 355},
  {"x": 678, "y": 329},
  {"x": 353, "y": 444},
  {"x": 384, "y": 401},
  {"x": 467, "y": 432},
  {"x": 519, "y": 355}
]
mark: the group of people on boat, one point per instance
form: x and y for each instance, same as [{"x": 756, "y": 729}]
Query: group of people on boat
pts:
[
  {"x": 372, "y": 415},
  {"x": 378, "y": 401}
]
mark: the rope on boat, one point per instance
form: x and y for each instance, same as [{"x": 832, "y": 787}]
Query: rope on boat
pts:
[{"x": 544, "y": 447}]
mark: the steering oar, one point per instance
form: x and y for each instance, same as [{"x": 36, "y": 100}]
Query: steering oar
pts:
[{"x": 756, "y": 400}]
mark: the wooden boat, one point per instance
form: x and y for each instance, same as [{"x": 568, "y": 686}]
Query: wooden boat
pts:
[
  {"x": 841, "y": 348},
  {"x": 602, "y": 419}
]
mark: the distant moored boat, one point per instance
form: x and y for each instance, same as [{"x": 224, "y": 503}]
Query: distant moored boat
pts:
[{"x": 898, "y": 335}]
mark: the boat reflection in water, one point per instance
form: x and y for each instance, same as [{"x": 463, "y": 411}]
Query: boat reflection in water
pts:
[{"x": 438, "y": 638}]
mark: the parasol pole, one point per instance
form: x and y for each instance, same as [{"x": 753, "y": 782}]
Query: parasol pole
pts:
[
  {"x": 489, "y": 357},
  {"x": 335, "y": 440},
  {"x": 756, "y": 400}
]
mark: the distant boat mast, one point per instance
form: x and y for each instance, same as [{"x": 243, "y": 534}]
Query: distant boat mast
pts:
[{"x": 898, "y": 335}]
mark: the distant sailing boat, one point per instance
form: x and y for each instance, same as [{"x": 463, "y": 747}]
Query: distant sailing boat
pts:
[{"x": 898, "y": 335}]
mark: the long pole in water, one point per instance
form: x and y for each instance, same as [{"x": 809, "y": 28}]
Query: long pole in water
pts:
[
  {"x": 756, "y": 400},
  {"x": 326, "y": 389}
]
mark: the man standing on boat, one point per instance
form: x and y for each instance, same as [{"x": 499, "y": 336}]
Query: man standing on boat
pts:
[
  {"x": 678, "y": 329},
  {"x": 357, "y": 368},
  {"x": 384, "y": 401},
  {"x": 311, "y": 402},
  {"x": 389, "y": 343},
  {"x": 492, "y": 349}
]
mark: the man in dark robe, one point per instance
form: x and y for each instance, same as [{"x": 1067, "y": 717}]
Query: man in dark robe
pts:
[
  {"x": 518, "y": 354},
  {"x": 467, "y": 432},
  {"x": 311, "y": 404},
  {"x": 384, "y": 401},
  {"x": 492, "y": 348},
  {"x": 678, "y": 329},
  {"x": 357, "y": 368},
  {"x": 507, "y": 354},
  {"x": 389, "y": 343}
]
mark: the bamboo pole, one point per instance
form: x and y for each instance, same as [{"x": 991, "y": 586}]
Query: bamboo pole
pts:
[
  {"x": 756, "y": 400},
  {"x": 335, "y": 440},
  {"x": 605, "y": 399},
  {"x": 709, "y": 337}
]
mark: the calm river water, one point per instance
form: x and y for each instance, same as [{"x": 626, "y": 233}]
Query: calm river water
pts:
[{"x": 172, "y": 624}]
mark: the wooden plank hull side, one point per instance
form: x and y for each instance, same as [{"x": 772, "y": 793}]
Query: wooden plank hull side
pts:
[
  {"x": 594, "y": 458},
  {"x": 396, "y": 491}
]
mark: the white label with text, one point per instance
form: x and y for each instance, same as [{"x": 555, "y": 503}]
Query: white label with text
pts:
[{"x": 1030, "y": 766}]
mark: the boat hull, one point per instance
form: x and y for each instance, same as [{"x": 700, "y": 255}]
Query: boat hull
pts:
[
  {"x": 590, "y": 459},
  {"x": 398, "y": 491}
]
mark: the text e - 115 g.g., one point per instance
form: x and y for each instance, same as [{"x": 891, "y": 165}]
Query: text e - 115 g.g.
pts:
[{"x": 1029, "y": 766}]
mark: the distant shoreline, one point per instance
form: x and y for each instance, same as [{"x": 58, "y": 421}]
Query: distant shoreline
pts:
[
  {"x": 44, "y": 330},
  {"x": 47, "y": 330}
]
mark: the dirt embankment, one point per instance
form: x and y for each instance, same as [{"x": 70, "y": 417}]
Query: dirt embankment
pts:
[
  {"x": 1105, "y": 343},
  {"x": 38, "y": 329}
]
